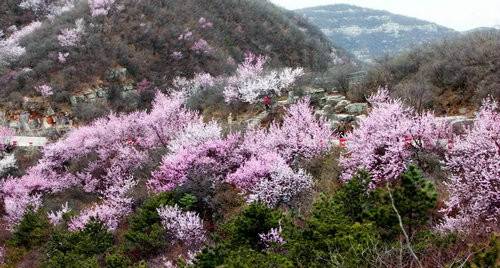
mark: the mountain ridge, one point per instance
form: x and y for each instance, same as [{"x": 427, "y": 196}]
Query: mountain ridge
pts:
[{"x": 371, "y": 33}]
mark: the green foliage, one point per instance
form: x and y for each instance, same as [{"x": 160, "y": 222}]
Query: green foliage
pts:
[
  {"x": 78, "y": 249},
  {"x": 414, "y": 197},
  {"x": 332, "y": 238},
  {"x": 245, "y": 228},
  {"x": 344, "y": 229},
  {"x": 146, "y": 235},
  {"x": 187, "y": 201},
  {"x": 33, "y": 230},
  {"x": 239, "y": 244},
  {"x": 242, "y": 257},
  {"x": 117, "y": 260},
  {"x": 488, "y": 256}
]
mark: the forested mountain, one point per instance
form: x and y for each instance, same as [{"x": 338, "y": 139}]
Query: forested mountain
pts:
[{"x": 369, "y": 33}]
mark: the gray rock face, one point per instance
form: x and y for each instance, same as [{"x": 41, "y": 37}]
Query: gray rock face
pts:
[
  {"x": 356, "y": 108},
  {"x": 343, "y": 117},
  {"x": 340, "y": 106},
  {"x": 314, "y": 91},
  {"x": 333, "y": 100},
  {"x": 255, "y": 121}
]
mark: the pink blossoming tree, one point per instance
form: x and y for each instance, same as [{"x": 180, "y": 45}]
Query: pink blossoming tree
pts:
[
  {"x": 185, "y": 227},
  {"x": 100, "y": 7},
  {"x": 117, "y": 146},
  {"x": 262, "y": 163},
  {"x": 252, "y": 81},
  {"x": 389, "y": 139},
  {"x": 45, "y": 90},
  {"x": 474, "y": 186},
  {"x": 72, "y": 37}
]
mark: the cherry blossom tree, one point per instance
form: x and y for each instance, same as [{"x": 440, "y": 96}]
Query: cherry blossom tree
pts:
[
  {"x": 270, "y": 180},
  {"x": 252, "y": 81},
  {"x": 204, "y": 23},
  {"x": 37, "y": 6},
  {"x": 474, "y": 185},
  {"x": 45, "y": 90},
  {"x": 212, "y": 157},
  {"x": 272, "y": 238},
  {"x": 115, "y": 146},
  {"x": 100, "y": 7},
  {"x": 261, "y": 163},
  {"x": 56, "y": 217},
  {"x": 200, "y": 81},
  {"x": 185, "y": 227},
  {"x": 390, "y": 138},
  {"x": 201, "y": 46},
  {"x": 72, "y": 37},
  {"x": 62, "y": 57},
  {"x": 10, "y": 48},
  {"x": 299, "y": 136}
]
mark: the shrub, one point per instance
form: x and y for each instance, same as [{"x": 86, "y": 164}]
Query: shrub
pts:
[
  {"x": 33, "y": 230},
  {"x": 78, "y": 249},
  {"x": 241, "y": 257},
  {"x": 488, "y": 256},
  {"x": 116, "y": 260},
  {"x": 145, "y": 235},
  {"x": 256, "y": 219},
  {"x": 239, "y": 243},
  {"x": 331, "y": 238}
]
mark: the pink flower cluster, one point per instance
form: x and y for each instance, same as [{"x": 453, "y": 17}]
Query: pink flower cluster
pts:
[
  {"x": 56, "y": 217},
  {"x": 273, "y": 237},
  {"x": 200, "y": 81},
  {"x": 113, "y": 147},
  {"x": 262, "y": 163},
  {"x": 186, "y": 227},
  {"x": 5, "y": 136},
  {"x": 100, "y": 7},
  {"x": 201, "y": 46},
  {"x": 72, "y": 37},
  {"x": 187, "y": 35},
  {"x": 204, "y": 23},
  {"x": 474, "y": 186},
  {"x": 10, "y": 49},
  {"x": 45, "y": 90},
  {"x": 62, "y": 57},
  {"x": 388, "y": 139},
  {"x": 252, "y": 81}
]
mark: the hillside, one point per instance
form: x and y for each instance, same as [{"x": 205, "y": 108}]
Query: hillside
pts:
[
  {"x": 369, "y": 33},
  {"x": 451, "y": 76},
  {"x": 81, "y": 54}
]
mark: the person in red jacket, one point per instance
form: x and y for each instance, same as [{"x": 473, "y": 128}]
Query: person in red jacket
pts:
[{"x": 267, "y": 102}]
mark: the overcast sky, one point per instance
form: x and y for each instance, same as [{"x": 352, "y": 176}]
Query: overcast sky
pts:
[{"x": 457, "y": 14}]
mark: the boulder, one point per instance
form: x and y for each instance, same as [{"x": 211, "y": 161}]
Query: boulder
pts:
[
  {"x": 332, "y": 100},
  {"x": 314, "y": 91},
  {"x": 255, "y": 121},
  {"x": 459, "y": 123},
  {"x": 343, "y": 117},
  {"x": 340, "y": 106},
  {"x": 334, "y": 124},
  {"x": 356, "y": 108}
]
